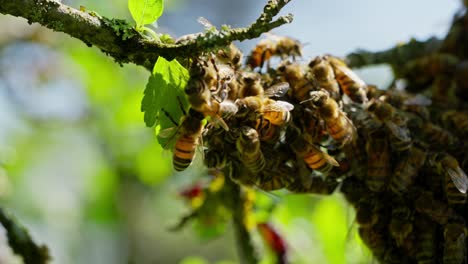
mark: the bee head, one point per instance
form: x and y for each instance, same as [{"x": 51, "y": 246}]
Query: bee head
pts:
[
  {"x": 315, "y": 61},
  {"x": 318, "y": 98}
]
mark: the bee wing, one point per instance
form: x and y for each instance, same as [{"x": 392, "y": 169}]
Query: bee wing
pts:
[
  {"x": 205, "y": 23},
  {"x": 459, "y": 178},
  {"x": 418, "y": 100},
  {"x": 399, "y": 132},
  {"x": 339, "y": 66},
  {"x": 278, "y": 106},
  {"x": 168, "y": 132},
  {"x": 277, "y": 90}
]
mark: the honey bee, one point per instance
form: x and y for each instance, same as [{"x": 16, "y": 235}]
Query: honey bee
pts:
[
  {"x": 226, "y": 85},
  {"x": 426, "y": 237},
  {"x": 315, "y": 158},
  {"x": 436, "y": 210},
  {"x": 461, "y": 80},
  {"x": 401, "y": 226},
  {"x": 374, "y": 239},
  {"x": 275, "y": 179},
  {"x": 400, "y": 139},
  {"x": 407, "y": 169},
  {"x": 378, "y": 161},
  {"x": 273, "y": 46},
  {"x": 393, "y": 256},
  {"x": 200, "y": 94},
  {"x": 314, "y": 127},
  {"x": 367, "y": 211},
  {"x": 455, "y": 179},
  {"x": 325, "y": 77},
  {"x": 357, "y": 157},
  {"x": 315, "y": 185},
  {"x": 276, "y": 111},
  {"x": 352, "y": 188},
  {"x": 197, "y": 89},
  {"x": 440, "y": 138},
  {"x": 251, "y": 85},
  {"x": 455, "y": 234},
  {"x": 187, "y": 136},
  {"x": 215, "y": 158},
  {"x": 231, "y": 55},
  {"x": 267, "y": 131},
  {"x": 278, "y": 172},
  {"x": 456, "y": 121},
  {"x": 353, "y": 86},
  {"x": 248, "y": 146},
  {"x": 301, "y": 84},
  {"x": 339, "y": 126}
]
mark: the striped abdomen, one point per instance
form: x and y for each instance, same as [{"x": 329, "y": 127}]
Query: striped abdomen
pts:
[
  {"x": 277, "y": 118},
  {"x": 454, "y": 196},
  {"x": 378, "y": 162},
  {"x": 318, "y": 160},
  {"x": 341, "y": 129},
  {"x": 185, "y": 147}
]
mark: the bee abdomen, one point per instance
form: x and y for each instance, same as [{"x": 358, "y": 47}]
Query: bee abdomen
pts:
[
  {"x": 376, "y": 178},
  {"x": 274, "y": 182},
  {"x": 278, "y": 118},
  {"x": 317, "y": 162},
  {"x": 255, "y": 163},
  {"x": 184, "y": 152},
  {"x": 454, "y": 196}
]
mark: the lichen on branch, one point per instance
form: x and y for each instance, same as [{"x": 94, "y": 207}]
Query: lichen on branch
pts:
[{"x": 120, "y": 40}]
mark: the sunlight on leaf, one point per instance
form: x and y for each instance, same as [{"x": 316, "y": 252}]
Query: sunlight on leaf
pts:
[
  {"x": 165, "y": 91},
  {"x": 193, "y": 260},
  {"x": 330, "y": 217},
  {"x": 145, "y": 11}
]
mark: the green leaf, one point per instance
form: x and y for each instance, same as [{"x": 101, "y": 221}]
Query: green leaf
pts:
[
  {"x": 145, "y": 11},
  {"x": 165, "y": 91}
]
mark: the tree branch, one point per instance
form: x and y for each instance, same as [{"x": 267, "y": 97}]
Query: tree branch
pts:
[
  {"x": 118, "y": 39},
  {"x": 237, "y": 200},
  {"x": 22, "y": 243},
  {"x": 397, "y": 55}
]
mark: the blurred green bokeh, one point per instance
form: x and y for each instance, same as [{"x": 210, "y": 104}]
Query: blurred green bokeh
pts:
[{"x": 83, "y": 173}]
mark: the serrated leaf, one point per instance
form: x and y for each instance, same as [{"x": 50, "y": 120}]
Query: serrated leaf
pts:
[
  {"x": 145, "y": 11},
  {"x": 165, "y": 91}
]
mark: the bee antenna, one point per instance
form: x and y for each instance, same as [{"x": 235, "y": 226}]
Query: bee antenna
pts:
[{"x": 305, "y": 101}]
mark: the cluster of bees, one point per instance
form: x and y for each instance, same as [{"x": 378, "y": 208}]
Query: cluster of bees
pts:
[{"x": 399, "y": 158}]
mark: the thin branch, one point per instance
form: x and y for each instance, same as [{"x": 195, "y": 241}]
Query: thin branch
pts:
[
  {"x": 21, "y": 242},
  {"x": 397, "y": 55},
  {"x": 237, "y": 200},
  {"x": 118, "y": 39}
]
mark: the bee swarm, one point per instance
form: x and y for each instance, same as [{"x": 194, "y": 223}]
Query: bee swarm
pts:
[{"x": 399, "y": 158}]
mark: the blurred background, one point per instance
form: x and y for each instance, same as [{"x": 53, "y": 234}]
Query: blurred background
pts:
[{"x": 79, "y": 168}]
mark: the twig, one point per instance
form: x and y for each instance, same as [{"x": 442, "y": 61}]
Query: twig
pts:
[
  {"x": 245, "y": 247},
  {"x": 22, "y": 243},
  {"x": 397, "y": 55},
  {"x": 118, "y": 39}
]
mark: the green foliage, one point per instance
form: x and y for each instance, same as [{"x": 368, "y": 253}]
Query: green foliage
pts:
[
  {"x": 145, "y": 11},
  {"x": 329, "y": 216},
  {"x": 165, "y": 92},
  {"x": 193, "y": 260},
  {"x": 121, "y": 27}
]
